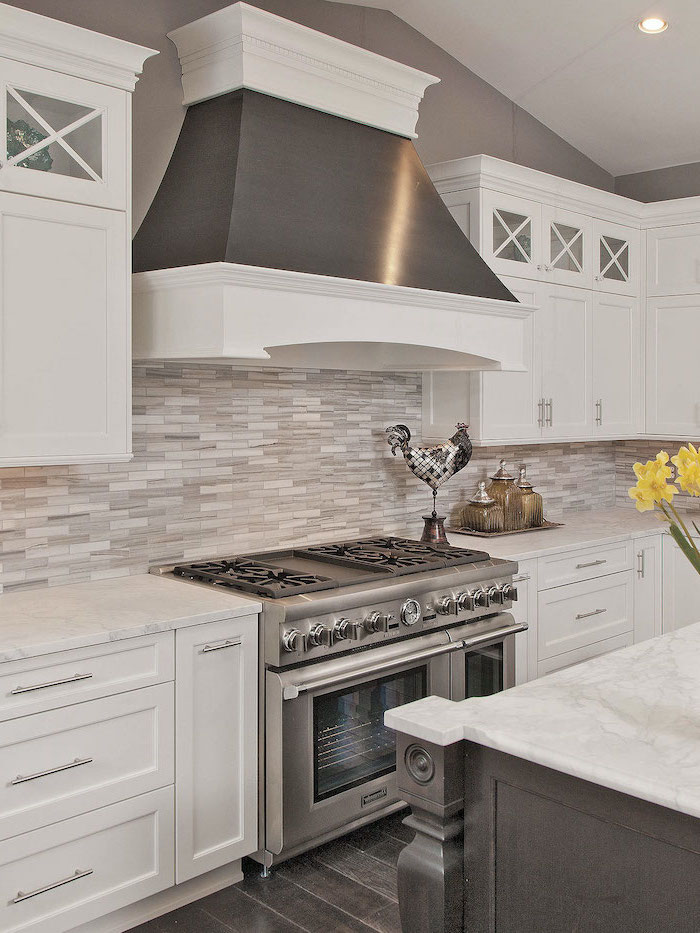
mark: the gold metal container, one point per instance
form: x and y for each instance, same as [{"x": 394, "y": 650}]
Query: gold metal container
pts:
[
  {"x": 503, "y": 489},
  {"x": 482, "y": 513},
  {"x": 531, "y": 501}
]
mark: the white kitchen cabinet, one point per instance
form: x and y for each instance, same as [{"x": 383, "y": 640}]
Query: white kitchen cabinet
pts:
[
  {"x": 511, "y": 234},
  {"x": 616, "y": 354},
  {"x": 65, "y": 202},
  {"x": 565, "y": 329},
  {"x": 672, "y": 374},
  {"x": 648, "y": 606},
  {"x": 568, "y": 254},
  {"x": 673, "y": 260},
  {"x": 65, "y": 342},
  {"x": 216, "y": 673},
  {"x": 524, "y": 610},
  {"x": 681, "y": 587},
  {"x": 616, "y": 258}
]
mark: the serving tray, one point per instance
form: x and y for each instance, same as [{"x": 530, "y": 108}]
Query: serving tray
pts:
[{"x": 499, "y": 534}]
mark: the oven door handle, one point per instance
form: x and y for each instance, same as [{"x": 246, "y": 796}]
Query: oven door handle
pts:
[{"x": 292, "y": 691}]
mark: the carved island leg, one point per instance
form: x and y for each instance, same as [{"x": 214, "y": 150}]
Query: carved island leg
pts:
[{"x": 431, "y": 868}]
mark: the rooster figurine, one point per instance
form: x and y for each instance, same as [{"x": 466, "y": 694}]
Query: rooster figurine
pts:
[{"x": 434, "y": 465}]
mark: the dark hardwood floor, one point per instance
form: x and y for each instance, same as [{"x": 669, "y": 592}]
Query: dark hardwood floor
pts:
[{"x": 346, "y": 886}]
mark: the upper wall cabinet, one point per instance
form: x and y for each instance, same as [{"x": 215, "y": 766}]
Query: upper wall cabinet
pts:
[
  {"x": 567, "y": 239},
  {"x": 66, "y": 137},
  {"x": 65, "y": 262},
  {"x": 616, "y": 258},
  {"x": 511, "y": 234},
  {"x": 673, "y": 260}
]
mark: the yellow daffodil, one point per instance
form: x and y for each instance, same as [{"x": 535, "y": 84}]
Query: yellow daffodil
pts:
[
  {"x": 651, "y": 485},
  {"x": 687, "y": 463}
]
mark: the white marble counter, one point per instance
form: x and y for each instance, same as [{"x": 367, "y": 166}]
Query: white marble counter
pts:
[
  {"x": 629, "y": 720},
  {"x": 36, "y": 622},
  {"x": 605, "y": 526}
]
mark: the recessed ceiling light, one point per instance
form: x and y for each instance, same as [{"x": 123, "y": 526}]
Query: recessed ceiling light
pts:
[{"x": 652, "y": 24}]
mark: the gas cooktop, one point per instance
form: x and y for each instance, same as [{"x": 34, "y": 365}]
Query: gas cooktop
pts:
[{"x": 292, "y": 572}]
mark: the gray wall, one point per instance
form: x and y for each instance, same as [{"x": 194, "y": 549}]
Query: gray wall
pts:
[
  {"x": 661, "y": 184},
  {"x": 460, "y": 116}
]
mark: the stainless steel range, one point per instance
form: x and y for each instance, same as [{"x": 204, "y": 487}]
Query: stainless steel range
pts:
[{"x": 348, "y": 631}]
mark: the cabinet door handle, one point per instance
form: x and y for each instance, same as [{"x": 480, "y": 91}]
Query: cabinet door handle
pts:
[
  {"x": 540, "y": 413},
  {"x": 591, "y": 563},
  {"x": 599, "y": 411},
  {"x": 229, "y": 643},
  {"x": 77, "y": 874},
  {"x": 52, "y": 683},
  {"x": 641, "y": 569},
  {"x": 76, "y": 763},
  {"x": 587, "y": 615},
  {"x": 549, "y": 412}
]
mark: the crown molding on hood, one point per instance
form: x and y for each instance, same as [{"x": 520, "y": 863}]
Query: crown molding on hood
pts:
[
  {"x": 249, "y": 314},
  {"x": 241, "y": 46}
]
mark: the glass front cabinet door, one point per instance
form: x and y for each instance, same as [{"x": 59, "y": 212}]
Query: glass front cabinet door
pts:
[
  {"x": 567, "y": 239},
  {"x": 511, "y": 241},
  {"x": 616, "y": 258},
  {"x": 64, "y": 137}
]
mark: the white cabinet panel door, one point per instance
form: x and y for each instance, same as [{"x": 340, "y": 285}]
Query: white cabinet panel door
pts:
[
  {"x": 566, "y": 324},
  {"x": 673, "y": 260},
  {"x": 525, "y": 610},
  {"x": 681, "y": 587},
  {"x": 216, "y": 728},
  {"x": 672, "y": 371},
  {"x": 567, "y": 247},
  {"x": 616, "y": 258},
  {"x": 647, "y": 587},
  {"x": 511, "y": 234},
  {"x": 65, "y": 354},
  {"x": 616, "y": 355}
]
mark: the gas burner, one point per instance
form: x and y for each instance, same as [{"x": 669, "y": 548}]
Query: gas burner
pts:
[
  {"x": 255, "y": 577},
  {"x": 449, "y": 556}
]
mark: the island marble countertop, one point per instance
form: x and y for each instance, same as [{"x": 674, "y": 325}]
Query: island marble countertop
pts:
[
  {"x": 600, "y": 526},
  {"x": 629, "y": 720},
  {"x": 36, "y": 622}
]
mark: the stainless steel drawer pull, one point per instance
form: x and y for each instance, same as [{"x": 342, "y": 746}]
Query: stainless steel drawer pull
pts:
[
  {"x": 592, "y": 563},
  {"x": 52, "y": 683},
  {"x": 229, "y": 643},
  {"x": 21, "y": 896},
  {"x": 76, "y": 763},
  {"x": 587, "y": 615},
  {"x": 641, "y": 569}
]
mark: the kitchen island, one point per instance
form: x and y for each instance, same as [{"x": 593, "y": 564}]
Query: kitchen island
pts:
[{"x": 567, "y": 804}]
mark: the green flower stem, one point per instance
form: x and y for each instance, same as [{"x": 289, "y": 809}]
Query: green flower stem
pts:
[{"x": 685, "y": 530}]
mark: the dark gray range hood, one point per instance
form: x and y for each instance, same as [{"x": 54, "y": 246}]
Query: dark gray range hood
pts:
[{"x": 295, "y": 223}]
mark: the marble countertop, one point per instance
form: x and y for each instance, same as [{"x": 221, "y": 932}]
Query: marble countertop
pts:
[
  {"x": 629, "y": 720},
  {"x": 604, "y": 526},
  {"x": 36, "y": 622}
]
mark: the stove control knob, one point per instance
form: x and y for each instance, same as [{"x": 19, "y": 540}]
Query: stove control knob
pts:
[
  {"x": 293, "y": 640},
  {"x": 466, "y": 602},
  {"x": 320, "y": 636},
  {"x": 377, "y": 622},
  {"x": 344, "y": 629},
  {"x": 445, "y": 606},
  {"x": 510, "y": 591},
  {"x": 483, "y": 598},
  {"x": 411, "y": 612},
  {"x": 496, "y": 595}
]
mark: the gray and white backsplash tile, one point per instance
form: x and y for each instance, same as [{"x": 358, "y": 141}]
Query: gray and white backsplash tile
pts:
[{"x": 229, "y": 460}]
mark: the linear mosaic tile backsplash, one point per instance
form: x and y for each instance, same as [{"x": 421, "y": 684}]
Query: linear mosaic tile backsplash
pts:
[{"x": 227, "y": 460}]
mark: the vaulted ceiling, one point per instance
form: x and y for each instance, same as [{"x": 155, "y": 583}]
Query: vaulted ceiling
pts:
[{"x": 629, "y": 101}]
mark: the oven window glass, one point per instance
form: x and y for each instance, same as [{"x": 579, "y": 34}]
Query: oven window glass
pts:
[
  {"x": 351, "y": 743},
  {"x": 484, "y": 673}
]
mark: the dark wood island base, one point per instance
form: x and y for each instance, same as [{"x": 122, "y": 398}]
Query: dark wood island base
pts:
[{"x": 503, "y": 845}]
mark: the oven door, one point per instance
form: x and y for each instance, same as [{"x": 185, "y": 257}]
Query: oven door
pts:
[
  {"x": 486, "y": 662},
  {"x": 330, "y": 760}
]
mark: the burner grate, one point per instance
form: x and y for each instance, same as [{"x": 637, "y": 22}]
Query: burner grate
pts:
[{"x": 255, "y": 577}]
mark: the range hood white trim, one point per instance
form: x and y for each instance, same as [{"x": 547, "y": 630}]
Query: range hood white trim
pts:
[
  {"x": 243, "y": 46},
  {"x": 248, "y": 314}
]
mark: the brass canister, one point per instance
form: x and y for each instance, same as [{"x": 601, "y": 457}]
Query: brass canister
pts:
[
  {"x": 531, "y": 500},
  {"x": 504, "y": 490},
  {"x": 482, "y": 513}
]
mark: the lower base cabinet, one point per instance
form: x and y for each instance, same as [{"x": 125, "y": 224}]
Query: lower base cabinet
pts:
[
  {"x": 216, "y": 711},
  {"x": 681, "y": 588},
  {"x": 72, "y": 872}
]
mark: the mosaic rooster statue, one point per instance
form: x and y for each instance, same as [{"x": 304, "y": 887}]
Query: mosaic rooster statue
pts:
[{"x": 434, "y": 465}]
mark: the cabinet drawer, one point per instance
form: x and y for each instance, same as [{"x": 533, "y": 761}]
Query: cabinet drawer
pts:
[
  {"x": 586, "y": 564},
  {"x": 55, "y": 878},
  {"x": 53, "y": 680},
  {"x": 584, "y": 654},
  {"x": 580, "y": 614},
  {"x": 58, "y": 764}
]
